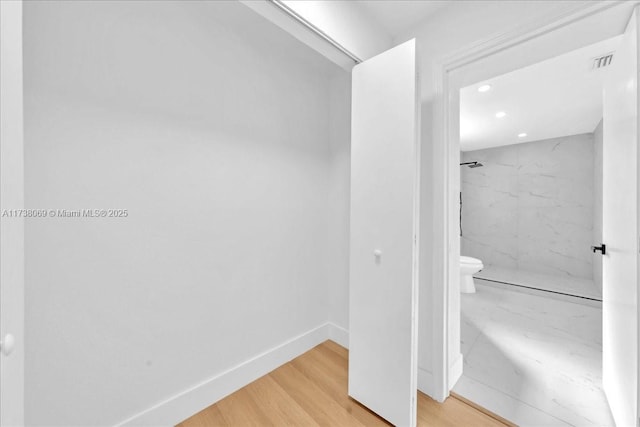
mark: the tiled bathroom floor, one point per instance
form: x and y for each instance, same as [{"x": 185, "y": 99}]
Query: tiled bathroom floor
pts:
[
  {"x": 565, "y": 284},
  {"x": 534, "y": 360}
]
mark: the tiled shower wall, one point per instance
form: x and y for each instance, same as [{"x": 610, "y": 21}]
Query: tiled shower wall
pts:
[{"x": 531, "y": 206}]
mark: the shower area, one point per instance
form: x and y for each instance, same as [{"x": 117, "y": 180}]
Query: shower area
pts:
[{"x": 532, "y": 212}]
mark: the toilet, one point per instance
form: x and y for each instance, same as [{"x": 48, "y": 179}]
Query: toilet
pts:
[{"x": 468, "y": 267}]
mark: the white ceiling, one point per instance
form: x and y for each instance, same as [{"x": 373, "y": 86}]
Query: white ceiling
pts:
[
  {"x": 558, "y": 97},
  {"x": 396, "y": 16}
]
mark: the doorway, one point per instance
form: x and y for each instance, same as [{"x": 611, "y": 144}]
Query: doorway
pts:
[
  {"x": 517, "y": 50},
  {"x": 531, "y": 210},
  {"x": 531, "y": 173}
]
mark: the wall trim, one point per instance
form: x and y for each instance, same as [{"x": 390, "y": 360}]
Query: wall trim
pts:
[
  {"x": 338, "y": 334},
  {"x": 12, "y": 184},
  {"x": 426, "y": 384},
  {"x": 182, "y": 405},
  {"x": 455, "y": 371}
]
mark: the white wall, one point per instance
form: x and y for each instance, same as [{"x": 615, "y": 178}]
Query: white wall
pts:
[
  {"x": 339, "y": 197},
  {"x": 211, "y": 126}
]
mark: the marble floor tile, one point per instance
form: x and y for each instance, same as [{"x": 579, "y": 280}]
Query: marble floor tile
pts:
[
  {"x": 540, "y": 352},
  {"x": 565, "y": 284},
  {"x": 542, "y": 293},
  {"x": 474, "y": 317},
  {"x": 549, "y": 316},
  {"x": 505, "y": 405}
]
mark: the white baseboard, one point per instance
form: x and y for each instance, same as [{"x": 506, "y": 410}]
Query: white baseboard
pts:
[
  {"x": 338, "y": 334},
  {"x": 455, "y": 371},
  {"x": 191, "y": 401},
  {"x": 188, "y": 402},
  {"x": 426, "y": 383}
]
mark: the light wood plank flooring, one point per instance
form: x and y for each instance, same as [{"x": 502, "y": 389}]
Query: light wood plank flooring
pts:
[{"x": 312, "y": 390}]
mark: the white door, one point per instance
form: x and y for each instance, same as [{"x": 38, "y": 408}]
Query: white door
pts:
[
  {"x": 383, "y": 251},
  {"x": 11, "y": 227},
  {"x": 620, "y": 230}
]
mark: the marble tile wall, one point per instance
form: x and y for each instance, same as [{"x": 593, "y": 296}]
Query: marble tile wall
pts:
[{"x": 531, "y": 206}]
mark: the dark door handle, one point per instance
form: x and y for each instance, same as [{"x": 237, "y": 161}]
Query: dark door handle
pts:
[{"x": 602, "y": 248}]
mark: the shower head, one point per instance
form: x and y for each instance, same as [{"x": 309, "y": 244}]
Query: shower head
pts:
[{"x": 472, "y": 164}]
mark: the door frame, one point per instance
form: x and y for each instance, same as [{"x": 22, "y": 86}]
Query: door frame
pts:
[
  {"x": 11, "y": 228},
  {"x": 568, "y": 29}
]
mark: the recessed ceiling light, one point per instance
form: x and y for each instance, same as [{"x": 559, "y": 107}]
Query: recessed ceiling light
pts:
[
  {"x": 522, "y": 135},
  {"x": 500, "y": 114},
  {"x": 484, "y": 88}
]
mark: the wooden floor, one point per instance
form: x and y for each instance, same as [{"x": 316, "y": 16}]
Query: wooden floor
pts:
[{"x": 312, "y": 390}]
